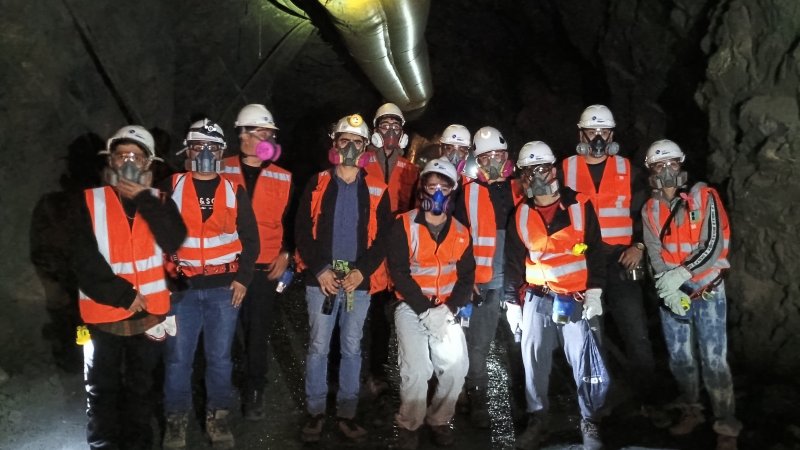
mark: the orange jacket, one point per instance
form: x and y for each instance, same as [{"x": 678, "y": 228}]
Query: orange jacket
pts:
[
  {"x": 612, "y": 203},
  {"x": 482, "y": 226},
  {"x": 402, "y": 182},
  {"x": 551, "y": 261},
  {"x": 434, "y": 268},
  {"x": 379, "y": 279},
  {"x": 686, "y": 233},
  {"x": 215, "y": 241},
  {"x": 270, "y": 199},
  {"x": 132, "y": 253}
]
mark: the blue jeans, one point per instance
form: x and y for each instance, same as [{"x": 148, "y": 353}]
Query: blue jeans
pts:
[
  {"x": 351, "y": 327},
  {"x": 208, "y": 311},
  {"x": 706, "y": 324}
]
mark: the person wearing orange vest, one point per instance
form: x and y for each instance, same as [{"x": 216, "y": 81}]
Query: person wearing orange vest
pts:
[
  {"x": 687, "y": 235},
  {"x": 431, "y": 262},
  {"x": 270, "y": 189},
  {"x": 214, "y": 265},
  {"x": 617, "y": 191},
  {"x": 485, "y": 205},
  {"x": 386, "y": 161},
  {"x": 341, "y": 229},
  {"x": 555, "y": 256},
  {"x": 118, "y": 241}
]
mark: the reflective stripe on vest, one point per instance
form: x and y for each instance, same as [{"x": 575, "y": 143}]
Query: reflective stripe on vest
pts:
[
  {"x": 130, "y": 251},
  {"x": 613, "y": 200},
  {"x": 215, "y": 241},
  {"x": 550, "y": 261},
  {"x": 402, "y": 182},
  {"x": 684, "y": 236},
  {"x": 269, "y": 199},
  {"x": 482, "y": 228},
  {"x": 432, "y": 266}
]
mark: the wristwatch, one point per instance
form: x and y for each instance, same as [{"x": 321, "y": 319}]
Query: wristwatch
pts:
[{"x": 639, "y": 246}]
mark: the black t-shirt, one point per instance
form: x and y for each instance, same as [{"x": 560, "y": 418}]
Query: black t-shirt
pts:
[
  {"x": 205, "y": 195},
  {"x": 250, "y": 175},
  {"x": 596, "y": 171}
]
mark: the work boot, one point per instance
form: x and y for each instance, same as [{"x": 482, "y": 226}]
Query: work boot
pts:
[
  {"x": 253, "y": 405},
  {"x": 443, "y": 435},
  {"x": 218, "y": 430},
  {"x": 406, "y": 439},
  {"x": 479, "y": 408},
  {"x": 312, "y": 430},
  {"x": 591, "y": 435},
  {"x": 175, "y": 431},
  {"x": 534, "y": 434},
  {"x": 726, "y": 442},
  {"x": 691, "y": 417},
  {"x": 351, "y": 430}
]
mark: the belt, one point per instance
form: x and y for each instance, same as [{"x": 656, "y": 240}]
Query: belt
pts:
[
  {"x": 543, "y": 291},
  {"x": 215, "y": 269},
  {"x": 707, "y": 291}
]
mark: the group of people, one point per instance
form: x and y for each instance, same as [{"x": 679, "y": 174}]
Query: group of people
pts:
[{"x": 440, "y": 255}]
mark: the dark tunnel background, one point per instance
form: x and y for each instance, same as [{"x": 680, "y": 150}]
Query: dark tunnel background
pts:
[{"x": 719, "y": 77}]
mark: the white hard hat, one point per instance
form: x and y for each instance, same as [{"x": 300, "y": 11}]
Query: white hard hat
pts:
[
  {"x": 206, "y": 131},
  {"x": 663, "y": 150},
  {"x": 597, "y": 116},
  {"x": 441, "y": 166},
  {"x": 456, "y": 134},
  {"x": 388, "y": 109},
  {"x": 255, "y": 115},
  {"x": 488, "y": 139},
  {"x": 353, "y": 123},
  {"x": 535, "y": 153},
  {"x": 135, "y": 133}
]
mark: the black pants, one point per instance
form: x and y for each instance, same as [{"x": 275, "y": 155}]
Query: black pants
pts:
[
  {"x": 257, "y": 316},
  {"x": 119, "y": 389},
  {"x": 380, "y": 330}
]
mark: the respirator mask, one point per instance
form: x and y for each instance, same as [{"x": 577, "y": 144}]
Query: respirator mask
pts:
[
  {"x": 494, "y": 165},
  {"x": 205, "y": 161},
  {"x": 667, "y": 174},
  {"x": 538, "y": 180},
  {"x": 597, "y": 146},
  {"x": 437, "y": 203},
  {"x": 132, "y": 168}
]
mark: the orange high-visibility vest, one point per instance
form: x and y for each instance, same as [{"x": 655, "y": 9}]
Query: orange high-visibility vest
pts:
[
  {"x": 215, "y": 241},
  {"x": 612, "y": 203},
  {"x": 550, "y": 261},
  {"x": 482, "y": 226},
  {"x": 685, "y": 238},
  {"x": 132, "y": 253},
  {"x": 270, "y": 199},
  {"x": 402, "y": 181},
  {"x": 379, "y": 279},
  {"x": 433, "y": 266}
]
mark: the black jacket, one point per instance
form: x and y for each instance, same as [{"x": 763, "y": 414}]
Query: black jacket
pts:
[
  {"x": 95, "y": 277},
  {"x": 595, "y": 253},
  {"x": 397, "y": 258},
  {"x": 316, "y": 253}
]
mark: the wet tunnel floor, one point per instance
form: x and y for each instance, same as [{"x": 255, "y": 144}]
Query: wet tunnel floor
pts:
[{"x": 43, "y": 408}]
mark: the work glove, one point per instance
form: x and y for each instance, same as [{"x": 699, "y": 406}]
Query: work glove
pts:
[
  {"x": 170, "y": 326},
  {"x": 671, "y": 280},
  {"x": 592, "y": 305},
  {"x": 677, "y": 302},
  {"x": 514, "y": 317},
  {"x": 159, "y": 331},
  {"x": 436, "y": 320},
  {"x": 463, "y": 313}
]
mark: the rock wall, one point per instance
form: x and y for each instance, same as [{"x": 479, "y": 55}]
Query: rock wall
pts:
[{"x": 751, "y": 97}]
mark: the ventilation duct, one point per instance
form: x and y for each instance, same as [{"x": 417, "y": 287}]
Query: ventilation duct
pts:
[{"x": 387, "y": 40}]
